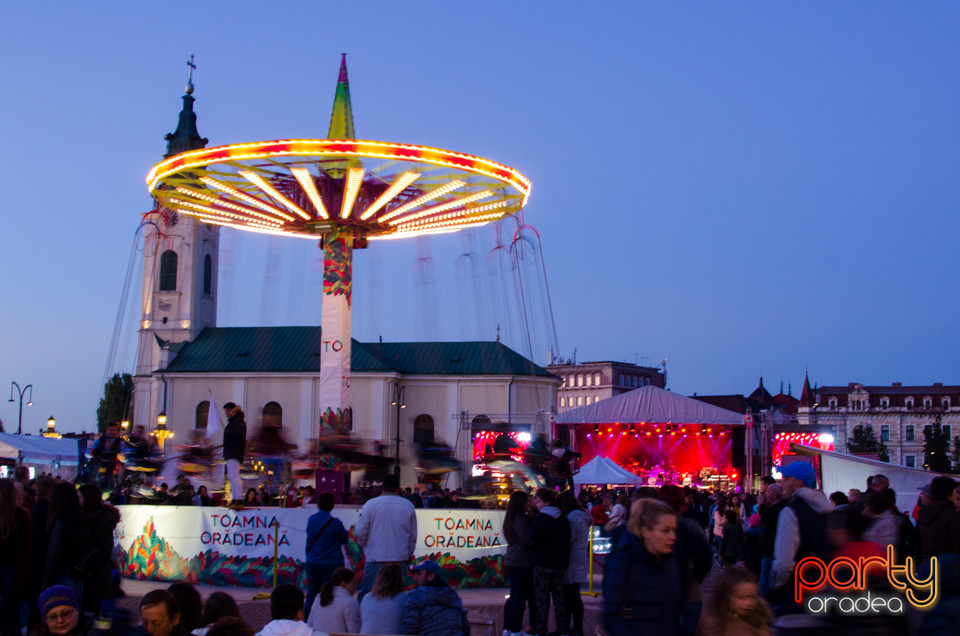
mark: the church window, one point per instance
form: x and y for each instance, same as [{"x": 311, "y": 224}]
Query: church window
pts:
[
  {"x": 945, "y": 404},
  {"x": 168, "y": 271},
  {"x": 203, "y": 411},
  {"x": 908, "y": 403},
  {"x": 927, "y": 403},
  {"x": 832, "y": 403},
  {"x": 272, "y": 414},
  {"x": 207, "y": 274},
  {"x": 423, "y": 430},
  {"x": 908, "y": 432},
  {"x": 884, "y": 403}
]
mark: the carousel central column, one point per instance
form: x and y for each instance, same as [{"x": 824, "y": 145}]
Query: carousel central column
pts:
[{"x": 336, "y": 415}]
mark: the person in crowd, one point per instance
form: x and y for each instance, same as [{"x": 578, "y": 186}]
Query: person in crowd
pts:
[
  {"x": 69, "y": 539},
  {"x": 162, "y": 494},
  {"x": 103, "y": 456},
  {"x": 938, "y": 523},
  {"x": 335, "y": 609},
  {"x": 60, "y": 610},
  {"x": 202, "y": 498},
  {"x": 251, "y": 499},
  {"x": 286, "y": 614},
  {"x": 550, "y": 538},
  {"x": 801, "y": 530},
  {"x": 736, "y": 609},
  {"x": 751, "y": 555},
  {"x": 228, "y": 626},
  {"x": 234, "y": 446},
  {"x": 38, "y": 547},
  {"x": 21, "y": 478},
  {"x": 325, "y": 537},
  {"x": 732, "y": 539},
  {"x": 100, "y": 519},
  {"x": 433, "y": 608},
  {"x": 218, "y": 605},
  {"x": 884, "y": 528},
  {"x": 191, "y": 604},
  {"x": 386, "y": 530},
  {"x": 382, "y": 609},
  {"x": 16, "y": 535},
  {"x": 182, "y": 494},
  {"x": 618, "y": 514},
  {"x": 692, "y": 555},
  {"x": 518, "y": 562},
  {"x": 923, "y": 499},
  {"x": 853, "y": 495},
  {"x": 578, "y": 566},
  {"x": 879, "y": 483},
  {"x": 839, "y": 499},
  {"x": 719, "y": 520},
  {"x": 740, "y": 508},
  {"x": 160, "y": 614},
  {"x": 771, "y": 503},
  {"x": 641, "y": 587}
]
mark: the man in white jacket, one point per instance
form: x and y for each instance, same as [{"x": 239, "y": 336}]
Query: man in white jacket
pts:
[
  {"x": 286, "y": 612},
  {"x": 801, "y": 530},
  {"x": 387, "y": 532}
]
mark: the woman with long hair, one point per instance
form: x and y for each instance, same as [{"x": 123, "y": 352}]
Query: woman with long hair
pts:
[
  {"x": 101, "y": 519},
  {"x": 251, "y": 498},
  {"x": 217, "y": 606},
  {"x": 641, "y": 586},
  {"x": 518, "y": 562},
  {"x": 202, "y": 498},
  {"x": 735, "y": 608},
  {"x": 16, "y": 535},
  {"x": 69, "y": 539},
  {"x": 335, "y": 609},
  {"x": 382, "y": 609},
  {"x": 578, "y": 569}
]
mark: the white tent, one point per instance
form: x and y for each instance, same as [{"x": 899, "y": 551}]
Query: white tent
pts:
[
  {"x": 651, "y": 404},
  {"x": 603, "y": 470},
  {"x": 60, "y": 457},
  {"x": 843, "y": 472}
]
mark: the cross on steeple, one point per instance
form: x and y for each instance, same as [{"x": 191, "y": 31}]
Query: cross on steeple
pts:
[{"x": 192, "y": 67}]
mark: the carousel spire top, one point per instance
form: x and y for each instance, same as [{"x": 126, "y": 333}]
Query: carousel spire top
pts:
[
  {"x": 186, "y": 137},
  {"x": 341, "y": 120}
]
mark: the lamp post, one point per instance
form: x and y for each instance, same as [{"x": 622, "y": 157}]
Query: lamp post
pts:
[
  {"x": 29, "y": 402},
  {"x": 161, "y": 432},
  {"x": 398, "y": 402},
  {"x": 51, "y": 429}
]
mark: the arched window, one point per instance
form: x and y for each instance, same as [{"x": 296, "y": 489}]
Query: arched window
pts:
[
  {"x": 207, "y": 274},
  {"x": 945, "y": 403},
  {"x": 423, "y": 432},
  {"x": 203, "y": 412},
  {"x": 272, "y": 414},
  {"x": 168, "y": 271}
]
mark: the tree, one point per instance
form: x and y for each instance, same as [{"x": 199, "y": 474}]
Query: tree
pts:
[
  {"x": 956, "y": 455},
  {"x": 936, "y": 448},
  {"x": 116, "y": 404},
  {"x": 864, "y": 440}
]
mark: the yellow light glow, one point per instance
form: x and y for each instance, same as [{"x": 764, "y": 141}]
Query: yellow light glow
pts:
[
  {"x": 395, "y": 188},
  {"x": 261, "y": 183},
  {"x": 306, "y": 182},
  {"x": 478, "y": 210},
  {"x": 429, "y": 196},
  {"x": 431, "y": 223},
  {"x": 224, "y": 203},
  {"x": 207, "y": 218},
  {"x": 444, "y": 206},
  {"x": 250, "y": 228},
  {"x": 354, "y": 179},
  {"x": 180, "y": 203},
  {"x": 243, "y": 196}
]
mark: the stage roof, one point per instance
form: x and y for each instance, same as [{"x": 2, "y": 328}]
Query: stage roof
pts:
[
  {"x": 653, "y": 405},
  {"x": 35, "y": 449}
]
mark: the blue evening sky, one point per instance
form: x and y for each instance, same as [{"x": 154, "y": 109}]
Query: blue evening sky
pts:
[{"x": 741, "y": 188}]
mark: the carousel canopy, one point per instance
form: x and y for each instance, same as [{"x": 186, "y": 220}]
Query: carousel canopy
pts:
[
  {"x": 650, "y": 404},
  {"x": 602, "y": 470}
]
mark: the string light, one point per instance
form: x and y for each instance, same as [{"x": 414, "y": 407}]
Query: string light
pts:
[
  {"x": 354, "y": 179},
  {"x": 261, "y": 183},
  {"x": 181, "y": 204},
  {"x": 306, "y": 182},
  {"x": 398, "y": 186},
  {"x": 444, "y": 206},
  {"x": 227, "y": 204},
  {"x": 429, "y": 196},
  {"x": 243, "y": 196}
]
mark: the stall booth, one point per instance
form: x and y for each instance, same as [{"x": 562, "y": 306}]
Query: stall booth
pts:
[{"x": 59, "y": 457}]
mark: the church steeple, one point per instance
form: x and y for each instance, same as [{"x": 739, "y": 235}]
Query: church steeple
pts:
[
  {"x": 806, "y": 396},
  {"x": 186, "y": 137},
  {"x": 341, "y": 120}
]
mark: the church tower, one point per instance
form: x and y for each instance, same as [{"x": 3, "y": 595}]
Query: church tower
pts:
[{"x": 180, "y": 263}]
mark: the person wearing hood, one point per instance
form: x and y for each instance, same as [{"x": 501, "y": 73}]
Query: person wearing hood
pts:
[
  {"x": 286, "y": 614},
  {"x": 234, "y": 445},
  {"x": 938, "y": 522},
  {"x": 801, "y": 530},
  {"x": 550, "y": 538},
  {"x": 433, "y": 608}
]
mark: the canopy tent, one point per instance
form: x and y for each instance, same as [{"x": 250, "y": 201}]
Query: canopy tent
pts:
[
  {"x": 843, "y": 472},
  {"x": 602, "y": 470},
  {"x": 60, "y": 457},
  {"x": 651, "y": 404}
]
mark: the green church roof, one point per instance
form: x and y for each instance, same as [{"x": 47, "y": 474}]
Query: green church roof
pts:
[{"x": 298, "y": 349}]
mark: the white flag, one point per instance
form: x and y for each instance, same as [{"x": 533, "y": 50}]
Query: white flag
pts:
[{"x": 213, "y": 418}]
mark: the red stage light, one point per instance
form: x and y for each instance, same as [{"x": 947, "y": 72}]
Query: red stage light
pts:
[{"x": 649, "y": 433}]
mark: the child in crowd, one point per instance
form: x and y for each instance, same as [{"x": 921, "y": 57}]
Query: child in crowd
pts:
[{"x": 736, "y": 608}]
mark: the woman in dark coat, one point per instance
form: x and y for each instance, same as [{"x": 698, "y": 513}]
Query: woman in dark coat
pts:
[
  {"x": 15, "y": 539},
  {"x": 641, "y": 586},
  {"x": 101, "y": 520},
  {"x": 518, "y": 562},
  {"x": 67, "y": 528}
]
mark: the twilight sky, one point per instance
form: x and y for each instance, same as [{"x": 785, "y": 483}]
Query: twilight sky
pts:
[{"x": 742, "y": 188}]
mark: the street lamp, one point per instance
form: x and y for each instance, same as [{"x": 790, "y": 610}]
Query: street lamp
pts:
[
  {"x": 161, "y": 432},
  {"x": 398, "y": 402},
  {"x": 51, "y": 429},
  {"x": 29, "y": 402}
]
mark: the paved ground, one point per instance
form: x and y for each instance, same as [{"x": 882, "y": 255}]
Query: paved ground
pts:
[{"x": 484, "y": 606}]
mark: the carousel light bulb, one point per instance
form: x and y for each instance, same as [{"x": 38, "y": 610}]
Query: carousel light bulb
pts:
[
  {"x": 261, "y": 183},
  {"x": 444, "y": 206},
  {"x": 243, "y": 196},
  {"x": 354, "y": 180},
  {"x": 429, "y": 196},
  {"x": 395, "y": 188},
  {"x": 225, "y": 203},
  {"x": 310, "y": 187}
]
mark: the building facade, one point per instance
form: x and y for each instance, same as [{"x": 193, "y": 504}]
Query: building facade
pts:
[
  {"x": 589, "y": 382},
  {"x": 898, "y": 415}
]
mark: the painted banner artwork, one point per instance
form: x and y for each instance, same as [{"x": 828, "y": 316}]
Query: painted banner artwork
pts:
[
  {"x": 219, "y": 546},
  {"x": 335, "y": 322}
]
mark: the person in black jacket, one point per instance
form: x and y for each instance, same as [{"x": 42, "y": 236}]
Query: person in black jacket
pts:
[
  {"x": 69, "y": 539},
  {"x": 234, "y": 445},
  {"x": 550, "y": 539},
  {"x": 101, "y": 519}
]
